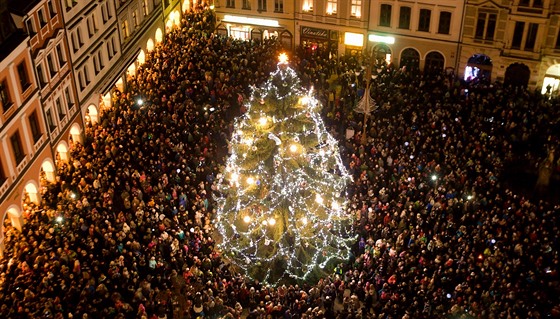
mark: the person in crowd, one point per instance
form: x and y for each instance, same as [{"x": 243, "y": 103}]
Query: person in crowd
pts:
[{"x": 126, "y": 230}]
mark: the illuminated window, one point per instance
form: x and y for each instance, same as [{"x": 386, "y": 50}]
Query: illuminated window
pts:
[
  {"x": 385, "y": 15},
  {"x": 307, "y": 6},
  {"x": 125, "y": 31},
  {"x": 356, "y": 8},
  {"x": 332, "y": 6}
]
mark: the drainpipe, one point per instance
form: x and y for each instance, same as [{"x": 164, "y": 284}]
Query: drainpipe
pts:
[{"x": 457, "y": 57}]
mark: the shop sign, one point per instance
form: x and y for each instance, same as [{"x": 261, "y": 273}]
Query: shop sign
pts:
[{"x": 316, "y": 33}]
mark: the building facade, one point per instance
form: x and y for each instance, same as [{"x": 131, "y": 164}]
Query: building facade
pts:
[
  {"x": 257, "y": 20},
  {"x": 61, "y": 60}
]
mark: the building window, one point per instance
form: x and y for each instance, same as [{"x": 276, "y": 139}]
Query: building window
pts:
[
  {"x": 5, "y": 96},
  {"x": 75, "y": 45},
  {"x": 52, "y": 11},
  {"x": 557, "y": 46},
  {"x": 41, "y": 75},
  {"x": 89, "y": 28},
  {"x": 230, "y": 4},
  {"x": 104, "y": 14},
  {"x": 60, "y": 55},
  {"x": 100, "y": 58},
  {"x": 385, "y": 15},
  {"x": 332, "y": 6},
  {"x": 279, "y": 6},
  {"x": 531, "y": 3},
  {"x": 50, "y": 121},
  {"x": 70, "y": 4},
  {"x": 261, "y": 4},
  {"x": 23, "y": 76},
  {"x": 17, "y": 147},
  {"x": 42, "y": 20},
  {"x": 3, "y": 176},
  {"x": 68, "y": 97},
  {"x": 34, "y": 125},
  {"x": 124, "y": 26},
  {"x": 79, "y": 34},
  {"x": 307, "y": 6},
  {"x": 30, "y": 27},
  {"x": 404, "y": 18},
  {"x": 134, "y": 18},
  {"x": 145, "y": 8},
  {"x": 86, "y": 74},
  {"x": 246, "y": 5},
  {"x": 517, "y": 35},
  {"x": 81, "y": 80},
  {"x": 531, "y": 36},
  {"x": 59, "y": 109},
  {"x": 424, "y": 21},
  {"x": 444, "y": 22},
  {"x": 50, "y": 64},
  {"x": 96, "y": 67},
  {"x": 356, "y": 8},
  {"x": 486, "y": 26}
]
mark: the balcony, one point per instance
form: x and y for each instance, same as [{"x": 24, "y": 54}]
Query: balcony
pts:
[
  {"x": 39, "y": 143},
  {"x": 22, "y": 164}
]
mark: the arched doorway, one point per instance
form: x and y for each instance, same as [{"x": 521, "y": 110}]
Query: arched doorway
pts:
[
  {"x": 222, "y": 30},
  {"x": 186, "y": 5},
  {"x": 517, "y": 74},
  {"x": 47, "y": 172},
  {"x": 92, "y": 114},
  {"x": 12, "y": 222},
  {"x": 150, "y": 45},
  {"x": 31, "y": 194},
  {"x": 177, "y": 18},
  {"x": 62, "y": 152},
  {"x": 159, "y": 35},
  {"x": 434, "y": 62},
  {"x": 479, "y": 67},
  {"x": 141, "y": 57},
  {"x": 410, "y": 58},
  {"x": 381, "y": 52},
  {"x": 76, "y": 133},
  {"x": 286, "y": 38},
  {"x": 551, "y": 82}
]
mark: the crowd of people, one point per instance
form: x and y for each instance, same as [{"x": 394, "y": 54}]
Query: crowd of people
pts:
[{"x": 126, "y": 231}]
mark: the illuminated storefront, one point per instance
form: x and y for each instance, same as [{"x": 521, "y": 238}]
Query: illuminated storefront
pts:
[
  {"x": 354, "y": 43},
  {"x": 321, "y": 40},
  {"x": 255, "y": 29}
]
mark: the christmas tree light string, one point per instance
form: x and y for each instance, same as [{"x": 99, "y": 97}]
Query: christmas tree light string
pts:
[{"x": 281, "y": 213}]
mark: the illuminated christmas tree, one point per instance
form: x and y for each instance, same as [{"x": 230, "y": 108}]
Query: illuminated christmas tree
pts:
[{"x": 282, "y": 213}]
